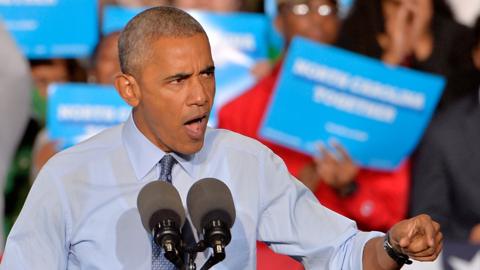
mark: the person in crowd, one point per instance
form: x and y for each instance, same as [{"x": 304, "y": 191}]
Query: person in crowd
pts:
[
  {"x": 420, "y": 34},
  {"x": 45, "y": 72},
  {"x": 15, "y": 85},
  {"x": 105, "y": 66},
  {"x": 213, "y": 5},
  {"x": 84, "y": 199},
  {"x": 374, "y": 199},
  {"x": 48, "y": 71},
  {"x": 244, "y": 113},
  {"x": 445, "y": 169}
]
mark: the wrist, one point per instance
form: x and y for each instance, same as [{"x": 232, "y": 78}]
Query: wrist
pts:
[{"x": 399, "y": 257}]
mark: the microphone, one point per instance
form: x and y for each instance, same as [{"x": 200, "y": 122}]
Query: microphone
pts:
[
  {"x": 212, "y": 212},
  {"x": 163, "y": 215}
]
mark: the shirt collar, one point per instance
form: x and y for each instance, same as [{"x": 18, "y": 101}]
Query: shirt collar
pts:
[{"x": 144, "y": 155}]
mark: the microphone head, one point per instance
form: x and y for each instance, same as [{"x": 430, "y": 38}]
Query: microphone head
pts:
[
  {"x": 157, "y": 201},
  {"x": 208, "y": 199}
]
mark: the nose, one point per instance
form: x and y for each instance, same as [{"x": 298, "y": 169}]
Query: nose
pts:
[
  {"x": 316, "y": 21},
  {"x": 199, "y": 92}
]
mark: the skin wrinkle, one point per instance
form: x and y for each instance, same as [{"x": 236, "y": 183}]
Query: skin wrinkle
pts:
[{"x": 175, "y": 87}]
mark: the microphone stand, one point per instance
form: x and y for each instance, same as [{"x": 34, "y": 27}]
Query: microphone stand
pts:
[
  {"x": 218, "y": 236},
  {"x": 191, "y": 252},
  {"x": 167, "y": 236},
  {"x": 217, "y": 256}
]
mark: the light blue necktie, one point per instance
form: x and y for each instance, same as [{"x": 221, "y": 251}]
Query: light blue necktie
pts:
[{"x": 159, "y": 262}]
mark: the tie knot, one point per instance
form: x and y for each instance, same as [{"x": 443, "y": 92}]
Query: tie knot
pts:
[{"x": 166, "y": 165}]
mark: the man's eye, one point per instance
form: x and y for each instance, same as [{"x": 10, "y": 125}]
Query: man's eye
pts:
[
  {"x": 177, "y": 81},
  {"x": 208, "y": 74}
]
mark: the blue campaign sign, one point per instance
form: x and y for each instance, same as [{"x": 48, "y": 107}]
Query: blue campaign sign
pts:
[
  {"x": 52, "y": 28},
  {"x": 77, "y": 111},
  {"x": 238, "y": 42},
  {"x": 116, "y": 17},
  {"x": 377, "y": 112}
]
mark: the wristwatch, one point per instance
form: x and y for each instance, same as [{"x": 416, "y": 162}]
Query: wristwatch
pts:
[{"x": 398, "y": 257}]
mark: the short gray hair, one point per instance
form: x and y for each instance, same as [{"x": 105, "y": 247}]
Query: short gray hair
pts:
[{"x": 148, "y": 26}]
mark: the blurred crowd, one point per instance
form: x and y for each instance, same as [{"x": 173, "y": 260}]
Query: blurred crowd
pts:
[{"x": 441, "y": 178}]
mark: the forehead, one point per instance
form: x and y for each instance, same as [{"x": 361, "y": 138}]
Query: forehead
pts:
[{"x": 180, "y": 53}]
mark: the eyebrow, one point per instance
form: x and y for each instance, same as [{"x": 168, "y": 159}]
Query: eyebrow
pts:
[
  {"x": 182, "y": 76},
  {"x": 209, "y": 69},
  {"x": 178, "y": 76}
]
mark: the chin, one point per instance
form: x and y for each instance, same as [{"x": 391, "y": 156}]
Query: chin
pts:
[{"x": 190, "y": 148}]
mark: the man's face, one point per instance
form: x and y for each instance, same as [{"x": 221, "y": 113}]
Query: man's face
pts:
[
  {"x": 313, "y": 19},
  {"x": 174, "y": 93},
  {"x": 392, "y": 10}
]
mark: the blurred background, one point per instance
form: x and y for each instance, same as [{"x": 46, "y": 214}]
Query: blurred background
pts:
[{"x": 60, "y": 59}]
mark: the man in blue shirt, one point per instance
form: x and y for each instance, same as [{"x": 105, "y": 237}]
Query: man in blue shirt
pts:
[{"x": 81, "y": 212}]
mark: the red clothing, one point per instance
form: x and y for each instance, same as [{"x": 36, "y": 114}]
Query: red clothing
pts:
[{"x": 381, "y": 198}]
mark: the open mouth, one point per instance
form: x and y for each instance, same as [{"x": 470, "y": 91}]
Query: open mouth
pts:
[
  {"x": 196, "y": 127},
  {"x": 195, "y": 120}
]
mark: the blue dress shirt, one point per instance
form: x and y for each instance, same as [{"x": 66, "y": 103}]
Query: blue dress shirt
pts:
[{"x": 81, "y": 211}]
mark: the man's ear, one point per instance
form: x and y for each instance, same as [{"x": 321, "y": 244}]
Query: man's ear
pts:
[{"x": 128, "y": 89}]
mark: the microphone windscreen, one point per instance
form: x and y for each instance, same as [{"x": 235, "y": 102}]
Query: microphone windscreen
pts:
[
  {"x": 157, "y": 201},
  {"x": 210, "y": 197}
]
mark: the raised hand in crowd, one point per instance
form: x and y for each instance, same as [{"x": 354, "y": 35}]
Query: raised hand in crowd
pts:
[
  {"x": 407, "y": 30},
  {"x": 337, "y": 169}
]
